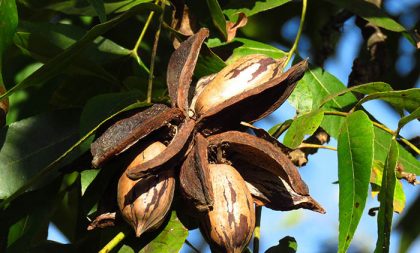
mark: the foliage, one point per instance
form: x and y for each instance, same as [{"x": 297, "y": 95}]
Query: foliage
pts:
[{"x": 70, "y": 68}]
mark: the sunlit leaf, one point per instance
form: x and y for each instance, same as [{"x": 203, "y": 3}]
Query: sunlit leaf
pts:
[
  {"x": 386, "y": 198},
  {"x": 315, "y": 86},
  {"x": 355, "y": 158},
  {"x": 305, "y": 124},
  {"x": 367, "y": 88},
  {"x": 280, "y": 128},
  {"x": 86, "y": 177},
  {"x": 382, "y": 141},
  {"x": 250, "y": 7},
  {"x": 403, "y": 99},
  {"x": 242, "y": 47},
  {"x": 412, "y": 116},
  {"x": 376, "y": 181},
  {"x": 170, "y": 239},
  {"x": 322, "y": 84}
]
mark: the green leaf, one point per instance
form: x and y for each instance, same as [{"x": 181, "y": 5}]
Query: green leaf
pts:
[
  {"x": 321, "y": 85},
  {"x": 99, "y": 7},
  {"x": 382, "y": 142},
  {"x": 250, "y": 7},
  {"x": 102, "y": 106},
  {"x": 315, "y": 86},
  {"x": 254, "y": 47},
  {"x": 386, "y": 198},
  {"x": 376, "y": 182},
  {"x": 42, "y": 50},
  {"x": 170, "y": 239},
  {"x": 355, "y": 158},
  {"x": 404, "y": 120},
  {"x": 77, "y": 8},
  {"x": 62, "y": 60},
  {"x": 217, "y": 16},
  {"x": 280, "y": 128},
  {"x": 62, "y": 36},
  {"x": 305, "y": 124},
  {"x": 86, "y": 178},
  {"x": 369, "y": 12},
  {"x": 367, "y": 88},
  {"x": 402, "y": 99},
  {"x": 28, "y": 226},
  {"x": 8, "y": 24},
  {"x": 287, "y": 244},
  {"x": 51, "y": 167},
  {"x": 126, "y": 249},
  {"x": 208, "y": 63},
  {"x": 31, "y": 144}
]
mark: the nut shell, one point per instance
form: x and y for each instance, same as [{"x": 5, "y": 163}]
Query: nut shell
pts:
[
  {"x": 144, "y": 203},
  {"x": 246, "y": 73},
  {"x": 229, "y": 226}
]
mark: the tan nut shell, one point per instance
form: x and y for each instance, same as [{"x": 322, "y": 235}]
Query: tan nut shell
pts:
[
  {"x": 229, "y": 226},
  {"x": 144, "y": 203},
  {"x": 246, "y": 73}
]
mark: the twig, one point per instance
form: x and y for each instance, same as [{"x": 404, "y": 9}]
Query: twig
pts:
[
  {"x": 153, "y": 57},
  {"x": 310, "y": 145},
  {"x": 257, "y": 230},
  {"x": 295, "y": 44},
  {"x": 113, "y": 243},
  {"x": 134, "y": 51},
  {"x": 192, "y": 246}
]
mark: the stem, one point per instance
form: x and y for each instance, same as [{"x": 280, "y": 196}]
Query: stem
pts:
[
  {"x": 380, "y": 126},
  {"x": 143, "y": 31},
  {"x": 113, "y": 243},
  {"x": 257, "y": 230},
  {"x": 311, "y": 145},
  {"x": 295, "y": 44},
  {"x": 192, "y": 246},
  {"x": 153, "y": 57}
]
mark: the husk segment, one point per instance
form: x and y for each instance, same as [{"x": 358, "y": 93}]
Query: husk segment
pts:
[
  {"x": 125, "y": 133},
  {"x": 181, "y": 68},
  {"x": 260, "y": 152},
  {"x": 169, "y": 157},
  {"x": 272, "y": 191},
  {"x": 194, "y": 177}
]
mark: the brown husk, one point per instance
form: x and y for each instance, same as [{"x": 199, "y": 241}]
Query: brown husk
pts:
[
  {"x": 272, "y": 191},
  {"x": 262, "y": 153},
  {"x": 169, "y": 157},
  {"x": 194, "y": 177},
  {"x": 125, "y": 133},
  {"x": 181, "y": 68}
]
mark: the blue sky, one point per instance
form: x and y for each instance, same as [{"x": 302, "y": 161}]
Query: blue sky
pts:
[{"x": 308, "y": 228}]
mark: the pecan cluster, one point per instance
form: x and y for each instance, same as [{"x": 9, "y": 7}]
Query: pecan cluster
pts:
[{"x": 222, "y": 169}]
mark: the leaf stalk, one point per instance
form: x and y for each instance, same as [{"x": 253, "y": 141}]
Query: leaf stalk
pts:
[{"x": 295, "y": 44}]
